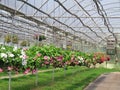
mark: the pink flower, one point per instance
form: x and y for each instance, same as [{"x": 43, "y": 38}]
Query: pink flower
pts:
[
  {"x": 9, "y": 68},
  {"x": 24, "y": 49},
  {"x": 1, "y": 70},
  {"x": 45, "y": 57},
  {"x": 34, "y": 71},
  {"x": 27, "y": 70},
  {"x": 51, "y": 60},
  {"x": 60, "y": 58},
  {"x": 38, "y": 54},
  {"x": 25, "y": 57},
  {"x": 73, "y": 58},
  {"x": 67, "y": 62},
  {"x": 46, "y": 62}
]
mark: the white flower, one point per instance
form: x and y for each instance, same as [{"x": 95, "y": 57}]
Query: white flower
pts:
[
  {"x": 15, "y": 48},
  {"x": 11, "y": 55},
  {"x": 81, "y": 59},
  {"x": 24, "y": 62},
  {"x": 3, "y": 55},
  {"x": 21, "y": 56},
  {"x": 22, "y": 52},
  {"x": 3, "y": 48}
]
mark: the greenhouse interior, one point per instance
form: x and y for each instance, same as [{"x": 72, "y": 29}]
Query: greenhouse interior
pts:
[{"x": 59, "y": 44}]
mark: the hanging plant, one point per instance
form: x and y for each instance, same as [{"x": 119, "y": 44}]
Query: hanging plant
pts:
[
  {"x": 25, "y": 43},
  {"x": 15, "y": 39},
  {"x": 39, "y": 37},
  {"x": 36, "y": 36},
  {"x": 11, "y": 38},
  {"x": 7, "y": 38}
]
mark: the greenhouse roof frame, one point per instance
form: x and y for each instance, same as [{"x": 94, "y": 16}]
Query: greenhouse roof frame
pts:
[{"x": 91, "y": 19}]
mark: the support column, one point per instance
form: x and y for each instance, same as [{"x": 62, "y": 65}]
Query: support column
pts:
[{"x": 65, "y": 41}]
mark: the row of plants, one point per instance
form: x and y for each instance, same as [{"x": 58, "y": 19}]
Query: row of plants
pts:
[
  {"x": 31, "y": 59},
  {"x": 13, "y": 38}
]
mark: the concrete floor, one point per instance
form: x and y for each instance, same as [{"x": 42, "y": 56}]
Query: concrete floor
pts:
[{"x": 109, "y": 81}]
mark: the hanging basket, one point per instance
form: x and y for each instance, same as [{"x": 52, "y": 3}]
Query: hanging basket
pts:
[
  {"x": 15, "y": 39},
  {"x": 39, "y": 37},
  {"x": 11, "y": 38},
  {"x": 7, "y": 38},
  {"x": 25, "y": 43}
]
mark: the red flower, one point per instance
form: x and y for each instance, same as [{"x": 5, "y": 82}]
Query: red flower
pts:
[
  {"x": 108, "y": 58},
  {"x": 103, "y": 59}
]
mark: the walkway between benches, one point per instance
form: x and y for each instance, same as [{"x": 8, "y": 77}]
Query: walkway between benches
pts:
[{"x": 109, "y": 81}]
